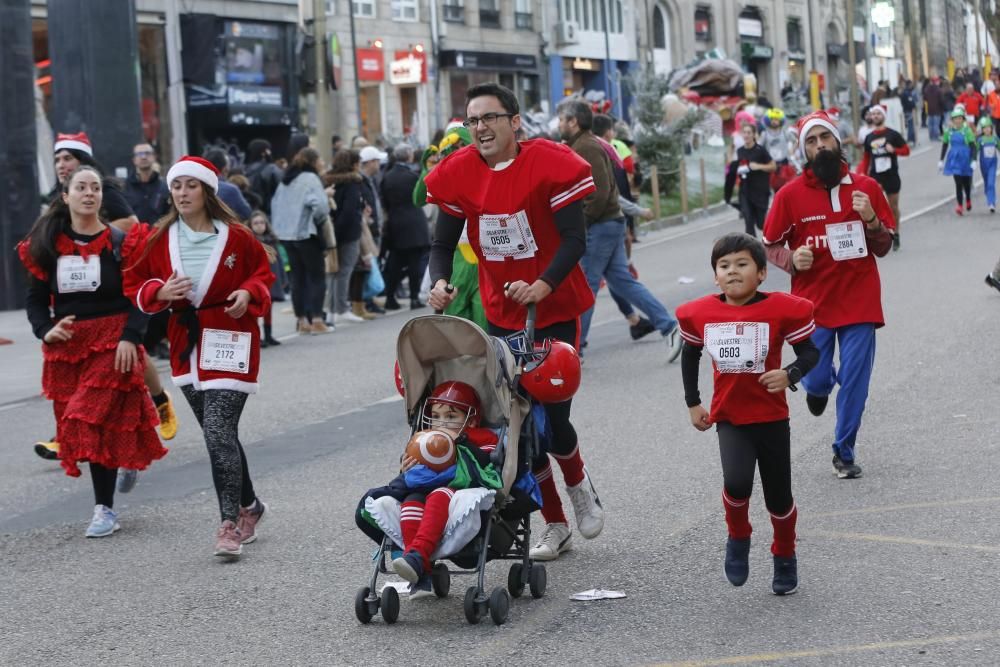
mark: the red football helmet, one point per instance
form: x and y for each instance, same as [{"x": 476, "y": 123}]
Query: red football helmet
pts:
[
  {"x": 457, "y": 394},
  {"x": 553, "y": 374},
  {"x": 398, "y": 376}
]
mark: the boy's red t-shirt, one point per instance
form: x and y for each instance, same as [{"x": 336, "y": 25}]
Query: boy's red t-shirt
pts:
[{"x": 745, "y": 342}]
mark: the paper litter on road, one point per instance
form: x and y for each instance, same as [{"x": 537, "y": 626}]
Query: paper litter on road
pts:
[
  {"x": 402, "y": 587},
  {"x": 597, "y": 594},
  {"x": 685, "y": 280}
]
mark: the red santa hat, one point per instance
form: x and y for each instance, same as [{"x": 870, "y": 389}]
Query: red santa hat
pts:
[
  {"x": 77, "y": 142},
  {"x": 195, "y": 167},
  {"x": 815, "y": 119},
  {"x": 879, "y": 108}
]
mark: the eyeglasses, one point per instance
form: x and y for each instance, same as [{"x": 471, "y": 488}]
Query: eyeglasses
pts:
[
  {"x": 489, "y": 119},
  {"x": 142, "y": 153}
]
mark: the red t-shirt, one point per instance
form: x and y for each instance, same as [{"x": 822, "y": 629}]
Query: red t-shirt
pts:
[
  {"x": 509, "y": 219},
  {"x": 745, "y": 342},
  {"x": 845, "y": 291}
]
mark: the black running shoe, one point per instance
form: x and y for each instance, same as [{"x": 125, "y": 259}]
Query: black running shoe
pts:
[
  {"x": 817, "y": 404},
  {"x": 642, "y": 328},
  {"x": 992, "y": 282},
  {"x": 737, "y": 561},
  {"x": 845, "y": 469},
  {"x": 786, "y": 576}
]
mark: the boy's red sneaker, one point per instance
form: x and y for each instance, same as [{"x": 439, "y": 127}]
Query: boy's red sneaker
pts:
[{"x": 958, "y": 210}]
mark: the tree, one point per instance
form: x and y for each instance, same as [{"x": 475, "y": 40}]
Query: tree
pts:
[{"x": 657, "y": 141}]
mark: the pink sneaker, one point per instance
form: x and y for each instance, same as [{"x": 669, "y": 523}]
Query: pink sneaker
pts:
[
  {"x": 249, "y": 518},
  {"x": 227, "y": 543}
]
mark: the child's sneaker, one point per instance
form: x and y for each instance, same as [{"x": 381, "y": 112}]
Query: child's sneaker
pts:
[
  {"x": 422, "y": 588},
  {"x": 103, "y": 523},
  {"x": 409, "y": 566},
  {"x": 248, "y": 520},
  {"x": 993, "y": 209},
  {"x": 786, "y": 576},
  {"x": 227, "y": 543},
  {"x": 126, "y": 480},
  {"x": 737, "y": 561},
  {"x": 958, "y": 210}
]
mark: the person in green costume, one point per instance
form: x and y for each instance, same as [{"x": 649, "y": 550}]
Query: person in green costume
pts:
[{"x": 465, "y": 272}]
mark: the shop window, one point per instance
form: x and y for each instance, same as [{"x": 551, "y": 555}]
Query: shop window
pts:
[
  {"x": 371, "y": 111},
  {"x": 659, "y": 29},
  {"x": 453, "y": 11},
  {"x": 489, "y": 13},
  {"x": 750, "y": 25},
  {"x": 794, "y": 35},
  {"x": 404, "y": 10},
  {"x": 364, "y": 8},
  {"x": 530, "y": 93},
  {"x": 703, "y": 24}
]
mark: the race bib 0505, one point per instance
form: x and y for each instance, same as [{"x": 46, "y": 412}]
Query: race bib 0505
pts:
[{"x": 502, "y": 236}]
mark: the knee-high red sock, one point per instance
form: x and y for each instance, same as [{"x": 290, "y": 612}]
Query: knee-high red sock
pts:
[
  {"x": 784, "y": 533},
  {"x": 572, "y": 466},
  {"x": 409, "y": 521},
  {"x": 432, "y": 526},
  {"x": 737, "y": 516},
  {"x": 552, "y": 508}
]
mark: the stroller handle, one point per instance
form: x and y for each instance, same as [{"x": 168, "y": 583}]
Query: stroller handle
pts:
[
  {"x": 529, "y": 322},
  {"x": 449, "y": 288}
]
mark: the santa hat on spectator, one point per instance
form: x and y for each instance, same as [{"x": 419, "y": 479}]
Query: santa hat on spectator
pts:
[
  {"x": 75, "y": 142},
  {"x": 195, "y": 167},
  {"x": 815, "y": 119}
]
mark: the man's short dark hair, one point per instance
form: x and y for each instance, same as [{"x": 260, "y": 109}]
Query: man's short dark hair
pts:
[
  {"x": 505, "y": 95},
  {"x": 218, "y": 157},
  {"x": 577, "y": 109},
  {"x": 601, "y": 124},
  {"x": 735, "y": 242}
]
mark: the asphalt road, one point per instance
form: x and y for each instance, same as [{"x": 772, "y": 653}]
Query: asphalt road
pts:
[{"x": 896, "y": 568}]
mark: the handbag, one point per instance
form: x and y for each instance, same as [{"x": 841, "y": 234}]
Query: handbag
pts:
[
  {"x": 374, "y": 284},
  {"x": 328, "y": 235}
]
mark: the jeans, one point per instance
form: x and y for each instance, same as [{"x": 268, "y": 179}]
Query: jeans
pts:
[
  {"x": 347, "y": 257},
  {"x": 911, "y": 130},
  {"x": 605, "y": 256},
  {"x": 308, "y": 276},
  {"x": 857, "y": 358},
  {"x": 934, "y": 126}
]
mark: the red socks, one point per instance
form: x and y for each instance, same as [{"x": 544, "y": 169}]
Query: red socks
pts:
[
  {"x": 409, "y": 521},
  {"x": 571, "y": 465},
  {"x": 737, "y": 516},
  {"x": 552, "y": 509},
  {"x": 784, "y": 533},
  {"x": 431, "y": 528}
]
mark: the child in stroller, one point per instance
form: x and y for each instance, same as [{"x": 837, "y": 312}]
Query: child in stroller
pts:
[{"x": 453, "y": 407}]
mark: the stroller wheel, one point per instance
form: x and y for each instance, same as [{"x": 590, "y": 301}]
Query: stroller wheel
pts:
[
  {"x": 361, "y": 607},
  {"x": 471, "y": 606},
  {"x": 441, "y": 580},
  {"x": 514, "y": 582},
  {"x": 390, "y": 605},
  {"x": 499, "y": 605},
  {"x": 537, "y": 579}
]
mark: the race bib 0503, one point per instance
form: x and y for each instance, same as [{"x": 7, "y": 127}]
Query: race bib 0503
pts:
[{"x": 738, "y": 347}]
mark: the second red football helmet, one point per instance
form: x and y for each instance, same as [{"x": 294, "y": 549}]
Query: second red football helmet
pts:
[{"x": 553, "y": 375}]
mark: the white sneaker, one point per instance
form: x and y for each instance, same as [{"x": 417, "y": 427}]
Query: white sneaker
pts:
[
  {"x": 674, "y": 343},
  {"x": 587, "y": 507},
  {"x": 103, "y": 523},
  {"x": 556, "y": 539},
  {"x": 347, "y": 316}
]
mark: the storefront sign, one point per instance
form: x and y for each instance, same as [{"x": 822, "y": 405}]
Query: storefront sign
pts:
[
  {"x": 485, "y": 60},
  {"x": 371, "y": 64},
  {"x": 586, "y": 64},
  {"x": 750, "y": 27},
  {"x": 257, "y": 96},
  {"x": 408, "y": 68}
]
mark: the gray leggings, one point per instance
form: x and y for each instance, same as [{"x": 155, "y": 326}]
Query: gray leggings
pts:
[
  {"x": 347, "y": 257},
  {"x": 218, "y": 412}
]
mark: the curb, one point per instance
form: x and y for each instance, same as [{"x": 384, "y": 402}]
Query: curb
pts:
[{"x": 681, "y": 219}]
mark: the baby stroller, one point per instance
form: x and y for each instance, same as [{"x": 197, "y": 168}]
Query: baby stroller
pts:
[{"x": 432, "y": 349}]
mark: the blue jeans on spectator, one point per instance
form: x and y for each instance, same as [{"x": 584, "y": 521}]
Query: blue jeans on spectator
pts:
[
  {"x": 605, "y": 256},
  {"x": 934, "y": 127},
  {"x": 911, "y": 130}
]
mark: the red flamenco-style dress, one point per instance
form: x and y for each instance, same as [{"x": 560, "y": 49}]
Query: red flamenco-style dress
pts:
[{"x": 102, "y": 415}]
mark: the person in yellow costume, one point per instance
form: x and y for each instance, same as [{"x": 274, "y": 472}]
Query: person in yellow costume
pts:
[{"x": 465, "y": 271}]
